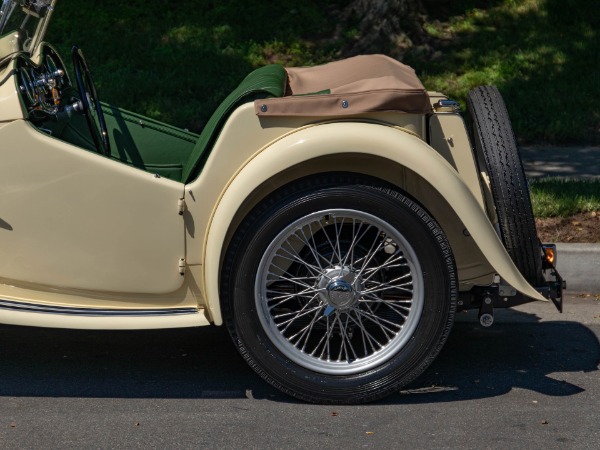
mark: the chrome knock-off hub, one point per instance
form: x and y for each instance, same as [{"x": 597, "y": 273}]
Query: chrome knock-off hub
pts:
[{"x": 340, "y": 288}]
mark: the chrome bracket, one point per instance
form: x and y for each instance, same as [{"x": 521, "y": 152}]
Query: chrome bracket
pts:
[{"x": 446, "y": 106}]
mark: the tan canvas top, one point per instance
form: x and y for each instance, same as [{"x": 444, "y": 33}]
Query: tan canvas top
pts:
[{"x": 368, "y": 83}]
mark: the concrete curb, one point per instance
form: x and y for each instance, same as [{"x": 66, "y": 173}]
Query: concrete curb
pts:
[{"x": 579, "y": 265}]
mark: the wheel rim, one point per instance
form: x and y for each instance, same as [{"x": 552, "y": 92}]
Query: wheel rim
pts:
[{"x": 339, "y": 291}]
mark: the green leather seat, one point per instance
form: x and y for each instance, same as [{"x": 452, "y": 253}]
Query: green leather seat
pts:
[{"x": 268, "y": 81}]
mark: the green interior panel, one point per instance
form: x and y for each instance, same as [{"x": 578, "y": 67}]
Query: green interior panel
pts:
[
  {"x": 135, "y": 140},
  {"x": 148, "y": 144},
  {"x": 74, "y": 131},
  {"x": 268, "y": 81}
]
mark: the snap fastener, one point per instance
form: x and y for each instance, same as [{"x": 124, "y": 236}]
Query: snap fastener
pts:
[
  {"x": 263, "y": 108},
  {"x": 345, "y": 103}
]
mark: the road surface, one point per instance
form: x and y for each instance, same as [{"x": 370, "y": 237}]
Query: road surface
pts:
[{"x": 530, "y": 381}]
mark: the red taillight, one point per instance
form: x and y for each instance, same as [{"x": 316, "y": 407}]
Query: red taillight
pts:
[{"x": 550, "y": 253}]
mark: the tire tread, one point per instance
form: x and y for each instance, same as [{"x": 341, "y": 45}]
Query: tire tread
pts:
[{"x": 491, "y": 130}]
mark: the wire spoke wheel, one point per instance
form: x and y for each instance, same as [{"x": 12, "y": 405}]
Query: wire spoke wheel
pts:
[
  {"x": 336, "y": 289},
  {"x": 339, "y": 291}
]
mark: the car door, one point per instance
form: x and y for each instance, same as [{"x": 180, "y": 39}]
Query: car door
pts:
[{"x": 73, "y": 219}]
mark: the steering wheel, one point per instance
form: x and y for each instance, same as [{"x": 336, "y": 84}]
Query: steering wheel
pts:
[{"x": 89, "y": 100}]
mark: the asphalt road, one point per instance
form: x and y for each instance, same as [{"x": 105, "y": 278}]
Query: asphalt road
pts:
[{"x": 530, "y": 381}]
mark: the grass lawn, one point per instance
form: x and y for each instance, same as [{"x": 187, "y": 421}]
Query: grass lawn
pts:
[
  {"x": 541, "y": 54},
  {"x": 556, "y": 197},
  {"x": 175, "y": 61},
  {"x": 566, "y": 210}
]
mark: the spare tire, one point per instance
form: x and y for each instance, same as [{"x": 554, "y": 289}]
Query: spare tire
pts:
[{"x": 496, "y": 151}]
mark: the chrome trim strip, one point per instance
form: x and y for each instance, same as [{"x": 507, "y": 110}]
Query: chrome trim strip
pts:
[{"x": 92, "y": 312}]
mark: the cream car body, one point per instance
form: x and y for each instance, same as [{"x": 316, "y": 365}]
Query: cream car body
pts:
[
  {"x": 102, "y": 246},
  {"x": 100, "y": 240}
]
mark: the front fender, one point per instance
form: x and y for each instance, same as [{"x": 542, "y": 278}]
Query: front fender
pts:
[{"x": 387, "y": 142}]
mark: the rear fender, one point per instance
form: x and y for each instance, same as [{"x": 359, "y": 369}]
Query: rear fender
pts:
[{"x": 391, "y": 143}]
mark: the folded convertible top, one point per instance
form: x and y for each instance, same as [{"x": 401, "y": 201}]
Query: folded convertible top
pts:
[{"x": 362, "y": 84}]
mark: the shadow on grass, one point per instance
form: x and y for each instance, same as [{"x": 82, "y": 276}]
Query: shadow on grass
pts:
[
  {"x": 175, "y": 61},
  {"x": 541, "y": 55},
  {"x": 202, "y": 363}
]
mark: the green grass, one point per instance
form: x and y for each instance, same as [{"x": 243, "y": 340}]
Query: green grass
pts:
[
  {"x": 556, "y": 197},
  {"x": 541, "y": 54},
  {"x": 176, "y": 61}
]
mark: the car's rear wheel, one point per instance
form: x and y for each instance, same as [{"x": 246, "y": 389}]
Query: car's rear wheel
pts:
[
  {"x": 336, "y": 290},
  {"x": 498, "y": 156}
]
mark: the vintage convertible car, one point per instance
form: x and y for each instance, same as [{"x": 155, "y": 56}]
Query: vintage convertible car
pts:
[{"x": 334, "y": 218}]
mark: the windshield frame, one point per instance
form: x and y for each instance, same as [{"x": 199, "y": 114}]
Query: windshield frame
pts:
[
  {"x": 6, "y": 11},
  {"x": 40, "y": 10}
]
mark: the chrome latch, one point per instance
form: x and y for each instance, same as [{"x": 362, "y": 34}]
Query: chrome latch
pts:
[
  {"x": 181, "y": 266},
  {"x": 447, "y": 106},
  {"x": 181, "y": 206}
]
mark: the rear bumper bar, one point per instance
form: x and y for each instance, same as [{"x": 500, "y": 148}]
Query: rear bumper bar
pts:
[{"x": 499, "y": 295}]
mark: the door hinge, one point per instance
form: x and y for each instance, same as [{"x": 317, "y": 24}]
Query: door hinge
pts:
[
  {"x": 181, "y": 206},
  {"x": 181, "y": 266}
]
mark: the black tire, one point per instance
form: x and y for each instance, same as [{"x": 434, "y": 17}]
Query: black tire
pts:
[
  {"x": 497, "y": 154},
  {"x": 308, "y": 247}
]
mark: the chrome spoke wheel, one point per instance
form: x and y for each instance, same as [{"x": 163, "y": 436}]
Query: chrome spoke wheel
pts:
[{"x": 339, "y": 291}]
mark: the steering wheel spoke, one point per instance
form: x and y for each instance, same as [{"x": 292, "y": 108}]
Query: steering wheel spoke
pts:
[{"x": 90, "y": 102}]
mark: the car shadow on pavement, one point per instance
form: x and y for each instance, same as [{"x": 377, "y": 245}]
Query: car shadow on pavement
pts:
[
  {"x": 202, "y": 363},
  {"x": 176, "y": 363},
  {"x": 519, "y": 353}
]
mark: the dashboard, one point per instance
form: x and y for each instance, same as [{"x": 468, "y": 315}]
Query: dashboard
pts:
[
  {"x": 42, "y": 87},
  {"x": 53, "y": 105}
]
